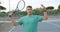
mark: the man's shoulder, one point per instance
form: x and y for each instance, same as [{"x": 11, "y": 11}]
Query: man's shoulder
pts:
[{"x": 38, "y": 16}]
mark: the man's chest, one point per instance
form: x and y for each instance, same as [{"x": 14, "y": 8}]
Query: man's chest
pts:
[{"x": 30, "y": 20}]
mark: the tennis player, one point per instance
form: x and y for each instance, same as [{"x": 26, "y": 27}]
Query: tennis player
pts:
[{"x": 29, "y": 21}]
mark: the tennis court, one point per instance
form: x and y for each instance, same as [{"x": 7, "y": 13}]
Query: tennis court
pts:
[{"x": 52, "y": 25}]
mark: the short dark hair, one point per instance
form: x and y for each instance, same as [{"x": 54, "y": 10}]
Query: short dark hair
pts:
[{"x": 29, "y": 6}]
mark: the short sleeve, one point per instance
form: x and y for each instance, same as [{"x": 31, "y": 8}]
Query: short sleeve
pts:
[
  {"x": 39, "y": 18},
  {"x": 20, "y": 22}
]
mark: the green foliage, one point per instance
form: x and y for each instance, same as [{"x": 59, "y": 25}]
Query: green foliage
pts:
[
  {"x": 59, "y": 6},
  {"x": 3, "y": 14},
  {"x": 50, "y": 12},
  {"x": 17, "y": 13},
  {"x": 37, "y": 12},
  {"x": 50, "y": 7},
  {"x": 2, "y": 8},
  {"x": 23, "y": 13}
]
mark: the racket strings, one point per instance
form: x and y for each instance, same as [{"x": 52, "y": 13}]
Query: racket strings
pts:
[{"x": 20, "y": 5}]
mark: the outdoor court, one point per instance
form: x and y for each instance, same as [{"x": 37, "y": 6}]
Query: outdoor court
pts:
[{"x": 52, "y": 25}]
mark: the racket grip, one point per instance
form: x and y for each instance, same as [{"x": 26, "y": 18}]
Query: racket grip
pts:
[{"x": 10, "y": 14}]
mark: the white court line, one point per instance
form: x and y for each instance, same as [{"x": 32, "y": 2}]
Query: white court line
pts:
[
  {"x": 5, "y": 21},
  {"x": 54, "y": 24},
  {"x": 12, "y": 29},
  {"x": 51, "y": 21},
  {"x": 42, "y": 21}
]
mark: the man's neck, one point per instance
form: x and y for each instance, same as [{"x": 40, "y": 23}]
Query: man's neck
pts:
[{"x": 29, "y": 14}]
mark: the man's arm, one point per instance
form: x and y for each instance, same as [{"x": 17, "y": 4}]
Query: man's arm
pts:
[
  {"x": 45, "y": 17},
  {"x": 12, "y": 19}
]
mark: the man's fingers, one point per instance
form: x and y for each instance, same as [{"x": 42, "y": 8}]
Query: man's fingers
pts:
[
  {"x": 10, "y": 14},
  {"x": 42, "y": 6}
]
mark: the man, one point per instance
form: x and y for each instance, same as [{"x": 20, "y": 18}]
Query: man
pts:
[{"x": 29, "y": 21}]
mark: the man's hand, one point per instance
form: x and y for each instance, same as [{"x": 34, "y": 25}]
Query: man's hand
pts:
[
  {"x": 43, "y": 7},
  {"x": 45, "y": 17},
  {"x": 10, "y": 14},
  {"x": 12, "y": 19}
]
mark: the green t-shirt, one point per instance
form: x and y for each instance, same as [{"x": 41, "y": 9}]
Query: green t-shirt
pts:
[{"x": 30, "y": 22}]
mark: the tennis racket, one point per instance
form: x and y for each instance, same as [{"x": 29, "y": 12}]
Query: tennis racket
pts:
[{"x": 19, "y": 6}]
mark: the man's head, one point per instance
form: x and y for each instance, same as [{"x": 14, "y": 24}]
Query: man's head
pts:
[{"x": 29, "y": 10}]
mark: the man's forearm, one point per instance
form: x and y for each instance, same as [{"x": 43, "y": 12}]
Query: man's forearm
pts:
[
  {"x": 11, "y": 19},
  {"x": 45, "y": 17},
  {"x": 45, "y": 13}
]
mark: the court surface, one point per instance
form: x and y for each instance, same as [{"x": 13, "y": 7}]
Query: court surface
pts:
[{"x": 52, "y": 25}]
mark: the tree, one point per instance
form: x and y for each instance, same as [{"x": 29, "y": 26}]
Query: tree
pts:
[
  {"x": 3, "y": 14},
  {"x": 37, "y": 11},
  {"x": 59, "y": 6},
  {"x": 2, "y": 8},
  {"x": 50, "y": 7}
]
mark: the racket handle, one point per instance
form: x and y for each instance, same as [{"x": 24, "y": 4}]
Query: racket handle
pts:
[{"x": 10, "y": 15}]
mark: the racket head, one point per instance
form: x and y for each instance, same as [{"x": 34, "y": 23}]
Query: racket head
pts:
[{"x": 20, "y": 5}]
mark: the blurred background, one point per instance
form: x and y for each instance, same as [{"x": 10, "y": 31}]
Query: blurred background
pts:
[{"x": 53, "y": 10}]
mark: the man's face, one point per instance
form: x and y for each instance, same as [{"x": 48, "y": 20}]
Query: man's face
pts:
[{"x": 29, "y": 10}]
